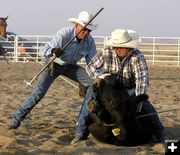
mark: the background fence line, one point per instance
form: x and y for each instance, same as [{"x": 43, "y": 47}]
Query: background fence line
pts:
[{"x": 157, "y": 50}]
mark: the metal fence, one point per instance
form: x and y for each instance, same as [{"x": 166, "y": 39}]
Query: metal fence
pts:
[
  {"x": 157, "y": 50},
  {"x": 161, "y": 50}
]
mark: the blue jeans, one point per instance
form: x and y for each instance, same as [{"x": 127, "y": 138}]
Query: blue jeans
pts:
[
  {"x": 73, "y": 72},
  {"x": 156, "y": 123},
  {"x": 81, "y": 126}
]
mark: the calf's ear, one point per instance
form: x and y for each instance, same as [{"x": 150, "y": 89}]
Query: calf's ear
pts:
[
  {"x": 98, "y": 85},
  {"x": 141, "y": 97}
]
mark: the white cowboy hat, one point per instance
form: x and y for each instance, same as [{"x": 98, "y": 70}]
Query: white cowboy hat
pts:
[
  {"x": 83, "y": 18},
  {"x": 123, "y": 38}
]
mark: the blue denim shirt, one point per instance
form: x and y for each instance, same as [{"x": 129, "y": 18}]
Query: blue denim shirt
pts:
[{"x": 74, "y": 52}]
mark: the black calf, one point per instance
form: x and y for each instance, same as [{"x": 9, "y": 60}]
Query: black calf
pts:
[{"x": 113, "y": 115}]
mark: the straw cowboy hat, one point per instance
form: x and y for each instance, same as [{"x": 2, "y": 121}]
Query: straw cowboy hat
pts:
[
  {"x": 83, "y": 18},
  {"x": 123, "y": 38}
]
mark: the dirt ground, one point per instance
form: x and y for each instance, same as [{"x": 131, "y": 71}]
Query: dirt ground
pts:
[{"x": 49, "y": 128}]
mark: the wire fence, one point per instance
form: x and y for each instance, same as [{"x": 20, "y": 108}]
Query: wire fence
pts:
[{"x": 157, "y": 50}]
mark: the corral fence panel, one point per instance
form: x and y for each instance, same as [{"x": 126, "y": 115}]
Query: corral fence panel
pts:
[
  {"x": 161, "y": 50},
  {"x": 157, "y": 50}
]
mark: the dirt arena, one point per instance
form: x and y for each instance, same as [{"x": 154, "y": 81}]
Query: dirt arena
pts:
[{"x": 49, "y": 128}]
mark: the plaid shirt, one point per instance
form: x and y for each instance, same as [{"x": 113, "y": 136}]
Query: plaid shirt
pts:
[{"x": 132, "y": 71}]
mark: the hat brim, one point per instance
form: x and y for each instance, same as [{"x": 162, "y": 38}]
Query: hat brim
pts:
[
  {"x": 133, "y": 43},
  {"x": 89, "y": 26}
]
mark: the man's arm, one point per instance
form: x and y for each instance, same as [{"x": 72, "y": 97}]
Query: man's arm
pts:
[
  {"x": 94, "y": 68},
  {"x": 142, "y": 76},
  {"x": 56, "y": 42}
]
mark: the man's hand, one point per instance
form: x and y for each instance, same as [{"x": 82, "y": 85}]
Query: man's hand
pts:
[
  {"x": 103, "y": 75},
  {"x": 57, "y": 52}
]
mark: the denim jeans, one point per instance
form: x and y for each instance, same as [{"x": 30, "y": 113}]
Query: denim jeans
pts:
[
  {"x": 81, "y": 125},
  {"x": 156, "y": 123},
  {"x": 73, "y": 72}
]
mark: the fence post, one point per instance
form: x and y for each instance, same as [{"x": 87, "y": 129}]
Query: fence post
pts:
[
  {"x": 16, "y": 49},
  {"x": 178, "y": 52},
  {"x": 154, "y": 50},
  {"x": 37, "y": 47}
]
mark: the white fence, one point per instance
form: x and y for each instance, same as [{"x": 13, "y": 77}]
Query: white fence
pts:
[
  {"x": 157, "y": 50},
  {"x": 161, "y": 50}
]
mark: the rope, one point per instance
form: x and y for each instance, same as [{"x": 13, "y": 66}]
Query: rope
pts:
[{"x": 155, "y": 113}]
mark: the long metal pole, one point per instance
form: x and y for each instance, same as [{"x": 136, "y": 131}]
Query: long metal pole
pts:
[{"x": 67, "y": 44}]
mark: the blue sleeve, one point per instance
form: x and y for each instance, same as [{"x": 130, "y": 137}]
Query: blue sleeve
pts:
[
  {"x": 92, "y": 51},
  {"x": 56, "y": 42}
]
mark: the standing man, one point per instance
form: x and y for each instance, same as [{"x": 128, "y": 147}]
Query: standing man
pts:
[
  {"x": 65, "y": 63},
  {"x": 123, "y": 58},
  {"x": 21, "y": 52}
]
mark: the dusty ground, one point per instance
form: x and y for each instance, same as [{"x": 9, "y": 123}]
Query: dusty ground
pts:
[{"x": 49, "y": 128}]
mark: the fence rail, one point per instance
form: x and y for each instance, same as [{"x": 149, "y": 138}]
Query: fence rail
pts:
[{"x": 157, "y": 50}]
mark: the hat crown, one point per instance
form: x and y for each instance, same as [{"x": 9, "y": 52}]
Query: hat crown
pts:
[
  {"x": 120, "y": 36},
  {"x": 123, "y": 38},
  {"x": 84, "y": 17}
]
